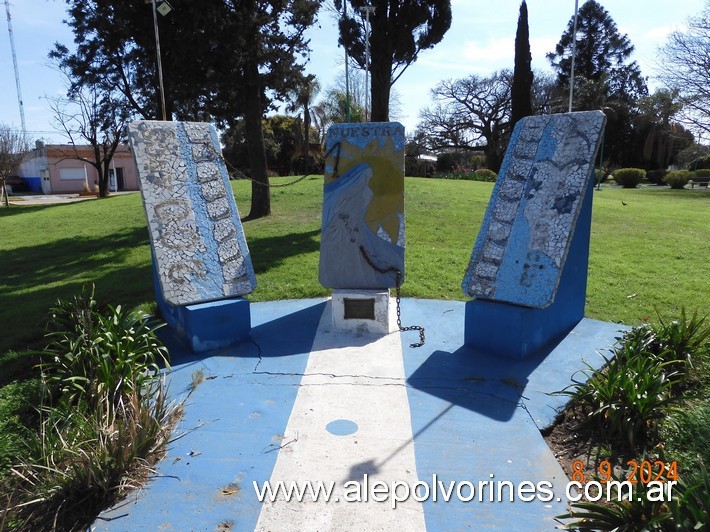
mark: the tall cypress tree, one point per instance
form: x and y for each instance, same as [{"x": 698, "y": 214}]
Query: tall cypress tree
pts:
[{"x": 521, "y": 91}]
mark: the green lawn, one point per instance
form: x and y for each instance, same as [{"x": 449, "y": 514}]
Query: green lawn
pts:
[{"x": 653, "y": 251}]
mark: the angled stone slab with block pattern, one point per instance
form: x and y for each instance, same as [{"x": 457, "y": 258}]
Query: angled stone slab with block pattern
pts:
[
  {"x": 200, "y": 255},
  {"x": 528, "y": 269}
]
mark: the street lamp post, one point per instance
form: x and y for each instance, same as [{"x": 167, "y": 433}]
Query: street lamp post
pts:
[
  {"x": 164, "y": 9},
  {"x": 367, "y": 10},
  {"x": 574, "y": 53},
  {"x": 347, "y": 71}
]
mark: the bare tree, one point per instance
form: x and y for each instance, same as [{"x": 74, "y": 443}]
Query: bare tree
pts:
[
  {"x": 685, "y": 67},
  {"x": 13, "y": 148},
  {"x": 95, "y": 116},
  {"x": 470, "y": 112}
]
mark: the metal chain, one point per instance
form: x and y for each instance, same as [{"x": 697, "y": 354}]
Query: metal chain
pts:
[
  {"x": 391, "y": 269},
  {"x": 398, "y": 284}
]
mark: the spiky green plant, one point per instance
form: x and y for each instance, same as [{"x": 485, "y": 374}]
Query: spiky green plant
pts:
[
  {"x": 104, "y": 418},
  {"x": 687, "y": 508},
  {"x": 624, "y": 398},
  {"x": 97, "y": 355}
]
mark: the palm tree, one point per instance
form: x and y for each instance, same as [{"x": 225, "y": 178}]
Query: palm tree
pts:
[{"x": 303, "y": 96}]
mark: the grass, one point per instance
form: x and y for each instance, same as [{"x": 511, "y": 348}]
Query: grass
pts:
[
  {"x": 650, "y": 252},
  {"x": 649, "y": 249}
]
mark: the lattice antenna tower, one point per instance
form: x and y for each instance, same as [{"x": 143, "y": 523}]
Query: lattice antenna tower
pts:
[{"x": 17, "y": 71}]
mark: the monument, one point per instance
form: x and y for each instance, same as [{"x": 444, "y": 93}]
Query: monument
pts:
[
  {"x": 528, "y": 269},
  {"x": 201, "y": 263},
  {"x": 362, "y": 233}
]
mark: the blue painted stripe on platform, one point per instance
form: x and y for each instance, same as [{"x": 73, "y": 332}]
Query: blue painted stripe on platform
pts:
[
  {"x": 474, "y": 416},
  {"x": 239, "y": 413}
]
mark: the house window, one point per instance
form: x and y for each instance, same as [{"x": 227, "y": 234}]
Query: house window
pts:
[{"x": 72, "y": 174}]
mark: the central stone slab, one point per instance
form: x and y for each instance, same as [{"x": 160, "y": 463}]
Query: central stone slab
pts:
[{"x": 362, "y": 235}]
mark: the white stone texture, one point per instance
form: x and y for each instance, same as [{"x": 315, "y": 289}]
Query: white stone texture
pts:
[{"x": 191, "y": 220}]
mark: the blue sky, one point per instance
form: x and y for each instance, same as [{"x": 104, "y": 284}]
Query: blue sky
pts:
[{"x": 480, "y": 41}]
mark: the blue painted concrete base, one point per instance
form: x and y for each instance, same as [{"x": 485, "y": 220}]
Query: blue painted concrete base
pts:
[
  {"x": 513, "y": 331},
  {"x": 210, "y": 326},
  {"x": 206, "y": 326}
]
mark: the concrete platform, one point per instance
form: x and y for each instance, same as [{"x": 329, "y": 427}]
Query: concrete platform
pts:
[{"x": 305, "y": 402}]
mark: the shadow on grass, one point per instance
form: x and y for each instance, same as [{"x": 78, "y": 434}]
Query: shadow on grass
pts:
[
  {"x": 20, "y": 208},
  {"x": 14, "y": 210},
  {"x": 270, "y": 252},
  {"x": 34, "y": 277}
]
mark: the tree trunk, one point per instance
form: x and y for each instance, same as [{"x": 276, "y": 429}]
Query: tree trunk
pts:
[
  {"x": 381, "y": 75},
  {"x": 380, "y": 70},
  {"x": 494, "y": 156},
  {"x": 103, "y": 179},
  {"x": 306, "y": 130},
  {"x": 260, "y": 192},
  {"x": 492, "y": 159},
  {"x": 3, "y": 194}
]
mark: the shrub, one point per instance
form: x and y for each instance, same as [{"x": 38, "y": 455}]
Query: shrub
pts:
[
  {"x": 681, "y": 344},
  {"x": 414, "y": 167},
  {"x": 640, "y": 384},
  {"x": 486, "y": 175},
  {"x": 99, "y": 355},
  {"x": 308, "y": 164},
  {"x": 701, "y": 173},
  {"x": 629, "y": 177},
  {"x": 445, "y": 162},
  {"x": 700, "y": 163},
  {"x": 656, "y": 176},
  {"x": 625, "y": 398},
  {"x": 677, "y": 179},
  {"x": 688, "y": 509}
]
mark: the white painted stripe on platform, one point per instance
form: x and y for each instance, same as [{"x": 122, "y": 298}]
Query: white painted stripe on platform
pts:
[{"x": 360, "y": 379}]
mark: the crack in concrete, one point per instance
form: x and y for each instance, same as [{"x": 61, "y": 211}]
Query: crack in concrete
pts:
[
  {"x": 403, "y": 381},
  {"x": 333, "y": 375},
  {"x": 258, "y": 347},
  {"x": 525, "y": 407}
]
